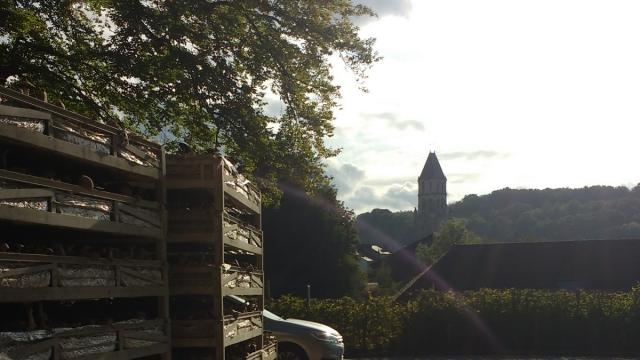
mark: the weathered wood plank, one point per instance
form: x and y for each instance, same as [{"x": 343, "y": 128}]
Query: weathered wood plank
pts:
[
  {"x": 26, "y": 270},
  {"x": 242, "y": 245},
  {"x": 75, "y": 151},
  {"x": 6, "y": 194},
  {"x": 13, "y": 295},
  {"x": 23, "y": 112},
  {"x": 238, "y": 291},
  {"x": 77, "y": 260},
  {"x": 30, "y": 216},
  {"x": 25, "y": 350},
  {"x": 141, "y": 335},
  {"x": 59, "y": 185},
  {"x": 243, "y": 337},
  {"x": 139, "y": 276},
  {"x": 156, "y": 221},
  {"x": 141, "y": 154},
  {"x": 240, "y": 199},
  {"x": 127, "y": 354}
]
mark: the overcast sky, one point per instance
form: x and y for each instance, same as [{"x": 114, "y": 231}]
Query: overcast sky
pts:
[{"x": 519, "y": 94}]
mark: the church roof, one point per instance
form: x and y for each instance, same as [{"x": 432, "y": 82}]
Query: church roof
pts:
[{"x": 432, "y": 169}]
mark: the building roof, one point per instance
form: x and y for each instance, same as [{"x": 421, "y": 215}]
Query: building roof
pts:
[
  {"x": 404, "y": 263},
  {"x": 371, "y": 252},
  {"x": 432, "y": 169},
  {"x": 610, "y": 265}
]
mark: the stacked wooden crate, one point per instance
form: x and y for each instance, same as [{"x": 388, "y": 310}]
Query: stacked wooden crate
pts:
[
  {"x": 82, "y": 247},
  {"x": 215, "y": 251}
]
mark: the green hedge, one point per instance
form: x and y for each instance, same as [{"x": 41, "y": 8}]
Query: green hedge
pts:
[{"x": 481, "y": 322}]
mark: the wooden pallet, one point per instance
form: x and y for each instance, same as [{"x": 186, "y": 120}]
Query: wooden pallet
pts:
[
  {"x": 44, "y": 205},
  {"x": 204, "y": 226},
  {"x": 215, "y": 174},
  {"x": 56, "y": 130},
  {"x": 114, "y": 342},
  {"x": 268, "y": 352},
  {"x": 52, "y": 278},
  {"x": 203, "y": 280},
  {"x": 205, "y": 333}
]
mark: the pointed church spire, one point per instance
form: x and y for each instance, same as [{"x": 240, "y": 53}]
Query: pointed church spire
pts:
[{"x": 432, "y": 169}]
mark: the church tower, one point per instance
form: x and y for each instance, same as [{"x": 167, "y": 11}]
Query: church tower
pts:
[{"x": 432, "y": 197}]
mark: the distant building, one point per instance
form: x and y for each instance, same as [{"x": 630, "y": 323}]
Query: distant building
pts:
[
  {"x": 608, "y": 265},
  {"x": 432, "y": 198},
  {"x": 403, "y": 263},
  {"x": 369, "y": 254}
]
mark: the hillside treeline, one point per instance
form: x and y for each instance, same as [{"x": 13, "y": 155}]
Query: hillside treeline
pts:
[{"x": 596, "y": 212}]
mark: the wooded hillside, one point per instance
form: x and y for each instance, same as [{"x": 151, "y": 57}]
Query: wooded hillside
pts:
[{"x": 596, "y": 212}]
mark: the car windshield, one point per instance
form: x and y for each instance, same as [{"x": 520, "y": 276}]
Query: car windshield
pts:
[{"x": 269, "y": 315}]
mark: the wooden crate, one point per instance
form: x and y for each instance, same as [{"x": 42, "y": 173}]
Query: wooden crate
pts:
[
  {"x": 34, "y": 200},
  {"x": 34, "y": 123},
  {"x": 29, "y": 278},
  {"x": 124, "y": 340},
  {"x": 268, "y": 352},
  {"x": 206, "y": 332},
  {"x": 205, "y": 280},
  {"x": 215, "y": 174},
  {"x": 204, "y": 226}
]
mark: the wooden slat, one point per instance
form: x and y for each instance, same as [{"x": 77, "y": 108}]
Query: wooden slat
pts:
[
  {"x": 75, "y": 189},
  {"x": 13, "y": 295},
  {"x": 242, "y": 245},
  {"x": 89, "y": 123},
  {"x": 156, "y": 221},
  {"x": 26, "y": 270},
  {"x": 243, "y": 337},
  {"x": 26, "y": 350},
  {"x": 23, "y": 112},
  {"x": 75, "y": 151},
  {"x": 30, "y": 216},
  {"x": 239, "y": 198},
  {"x": 242, "y": 291},
  {"x": 141, "y": 154},
  {"x": 127, "y": 354},
  {"x": 139, "y": 276},
  {"x": 142, "y": 335},
  {"x": 6, "y": 194},
  {"x": 77, "y": 260},
  {"x": 141, "y": 324}
]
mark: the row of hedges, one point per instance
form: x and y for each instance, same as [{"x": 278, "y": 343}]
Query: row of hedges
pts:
[{"x": 523, "y": 322}]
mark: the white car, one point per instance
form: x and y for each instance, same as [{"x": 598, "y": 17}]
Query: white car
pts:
[{"x": 301, "y": 339}]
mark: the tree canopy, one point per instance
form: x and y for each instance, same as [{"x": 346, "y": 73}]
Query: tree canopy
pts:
[
  {"x": 452, "y": 232},
  {"x": 195, "y": 71},
  {"x": 311, "y": 240},
  {"x": 509, "y": 215}
]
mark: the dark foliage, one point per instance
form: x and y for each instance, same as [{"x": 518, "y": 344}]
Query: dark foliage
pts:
[
  {"x": 383, "y": 227},
  {"x": 311, "y": 240},
  {"x": 195, "y": 71},
  {"x": 597, "y": 212},
  {"x": 491, "y": 322},
  {"x": 508, "y": 215}
]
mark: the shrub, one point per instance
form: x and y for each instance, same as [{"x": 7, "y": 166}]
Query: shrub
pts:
[{"x": 486, "y": 321}]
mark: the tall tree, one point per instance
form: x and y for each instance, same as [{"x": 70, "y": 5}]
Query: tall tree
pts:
[
  {"x": 311, "y": 240},
  {"x": 195, "y": 70},
  {"x": 452, "y": 232}
]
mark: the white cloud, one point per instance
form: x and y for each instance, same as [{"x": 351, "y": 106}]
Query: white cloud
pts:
[{"x": 510, "y": 93}]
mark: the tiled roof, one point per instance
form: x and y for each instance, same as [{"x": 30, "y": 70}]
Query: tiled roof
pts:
[{"x": 432, "y": 169}]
